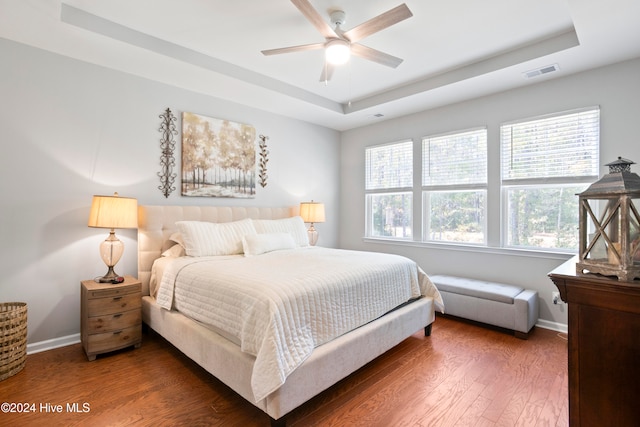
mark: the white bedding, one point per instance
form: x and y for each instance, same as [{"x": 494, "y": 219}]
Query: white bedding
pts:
[{"x": 282, "y": 304}]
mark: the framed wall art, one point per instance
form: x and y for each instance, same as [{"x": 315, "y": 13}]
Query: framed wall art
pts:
[{"x": 218, "y": 157}]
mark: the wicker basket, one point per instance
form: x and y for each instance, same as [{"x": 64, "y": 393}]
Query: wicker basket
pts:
[{"x": 13, "y": 338}]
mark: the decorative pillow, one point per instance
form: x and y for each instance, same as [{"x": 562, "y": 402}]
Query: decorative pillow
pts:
[
  {"x": 257, "y": 244},
  {"x": 294, "y": 226},
  {"x": 174, "y": 251},
  {"x": 203, "y": 238},
  {"x": 177, "y": 237}
]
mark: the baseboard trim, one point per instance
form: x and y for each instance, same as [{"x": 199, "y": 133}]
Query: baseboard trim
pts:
[
  {"x": 554, "y": 326},
  {"x": 37, "y": 347}
]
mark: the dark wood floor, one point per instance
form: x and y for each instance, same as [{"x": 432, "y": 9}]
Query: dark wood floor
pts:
[{"x": 463, "y": 375}]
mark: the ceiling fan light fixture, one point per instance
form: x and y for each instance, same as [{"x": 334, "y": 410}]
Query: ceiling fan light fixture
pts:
[{"x": 337, "y": 51}]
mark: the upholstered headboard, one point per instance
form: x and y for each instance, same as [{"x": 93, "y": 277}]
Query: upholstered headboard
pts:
[{"x": 157, "y": 223}]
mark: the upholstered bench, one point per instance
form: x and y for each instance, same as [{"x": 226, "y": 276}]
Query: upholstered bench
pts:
[{"x": 507, "y": 306}]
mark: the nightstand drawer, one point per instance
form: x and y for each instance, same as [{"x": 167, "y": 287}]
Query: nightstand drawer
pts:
[
  {"x": 113, "y": 292},
  {"x": 108, "y": 341},
  {"x": 116, "y": 304},
  {"x": 111, "y": 322}
]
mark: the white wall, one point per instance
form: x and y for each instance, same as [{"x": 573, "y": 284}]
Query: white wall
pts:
[
  {"x": 71, "y": 130},
  {"x": 616, "y": 89}
]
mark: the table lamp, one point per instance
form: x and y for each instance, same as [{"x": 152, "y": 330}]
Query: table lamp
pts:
[
  {"x": 112, "y": 212},
  {"x": 312, "y": 212}
]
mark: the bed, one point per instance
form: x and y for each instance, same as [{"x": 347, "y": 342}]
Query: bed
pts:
[{"x": 283, "y": 370}]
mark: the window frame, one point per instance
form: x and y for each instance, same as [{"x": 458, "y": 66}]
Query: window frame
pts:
[
  {"x": 371, "y": 192},
  {"x": 507, "y": 184},
  {"x": 427, "y": 189}
]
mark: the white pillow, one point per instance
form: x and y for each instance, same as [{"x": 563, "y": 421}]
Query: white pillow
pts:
[
  {"x": 257, "y": 244},
  {"x": 294, "y": 226},
  {"x": 203, "y": 238}
]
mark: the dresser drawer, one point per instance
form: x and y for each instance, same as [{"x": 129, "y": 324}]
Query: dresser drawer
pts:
[
  {"x": 108, "y": 341},
  {"x": 111, "y": 322},
  {"x": 115, "y": 304}
]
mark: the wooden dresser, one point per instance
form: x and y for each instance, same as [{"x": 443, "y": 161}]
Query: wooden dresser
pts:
[
  {"x": 604, "y": 347},
  {"x": 111, "y": 316}
]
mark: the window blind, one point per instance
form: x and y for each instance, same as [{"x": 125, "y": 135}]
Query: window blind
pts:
[
  {"x": 564, "y": 145},
  {"x": 455, "y": 159},
  {"x": 389, "y": 166}
]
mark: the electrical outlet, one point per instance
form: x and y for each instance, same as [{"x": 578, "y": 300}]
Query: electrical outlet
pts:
[{"x": 555, "y": 296}]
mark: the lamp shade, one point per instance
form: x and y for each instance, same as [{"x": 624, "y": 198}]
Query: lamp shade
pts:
[
  {"x": 113, "y": 212},
  {"x": 312, "y": 212}
]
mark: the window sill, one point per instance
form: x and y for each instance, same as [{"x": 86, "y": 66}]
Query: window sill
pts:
[{"x": 530, "y": 253}]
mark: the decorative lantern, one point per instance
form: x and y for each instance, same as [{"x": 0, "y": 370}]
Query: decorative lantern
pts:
[{"x": 610, "y": 224}]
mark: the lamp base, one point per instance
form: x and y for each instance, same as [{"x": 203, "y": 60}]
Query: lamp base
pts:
[
  {"x": 313, "y": 235},
  {"x": 111, "y": 251},
  {"x": 110, "y": 277}
]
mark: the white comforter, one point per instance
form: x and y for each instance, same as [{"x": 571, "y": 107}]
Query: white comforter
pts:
[{"x": 282, "y": 304}]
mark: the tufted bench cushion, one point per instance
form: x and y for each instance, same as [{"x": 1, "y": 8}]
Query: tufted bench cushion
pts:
[{"x": 498, "y": 304}]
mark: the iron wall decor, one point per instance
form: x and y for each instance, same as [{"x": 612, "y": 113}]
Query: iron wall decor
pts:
[
  {"x": 218, "y": 157},
  {"x": 167, "y": 145},
  {"x": 264, "y": 153}
]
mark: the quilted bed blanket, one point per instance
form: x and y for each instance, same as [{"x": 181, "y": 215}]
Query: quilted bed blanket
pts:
[{"x": 283, "y": 304}]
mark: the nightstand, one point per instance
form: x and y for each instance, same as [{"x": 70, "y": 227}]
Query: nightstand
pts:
[{"x": 111, "y": 316}]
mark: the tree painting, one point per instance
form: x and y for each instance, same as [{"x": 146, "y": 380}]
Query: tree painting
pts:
[{"x": 218, "y": 158}]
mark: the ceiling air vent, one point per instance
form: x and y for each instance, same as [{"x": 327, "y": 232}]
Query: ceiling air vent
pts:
[
  {"x": 542, "y": 70},
  {"x": 374, "y": 116}
]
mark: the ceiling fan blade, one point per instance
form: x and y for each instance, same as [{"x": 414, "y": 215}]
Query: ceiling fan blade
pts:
[
  {"x": 327, "y": 72},
  {"x": 380, "y": 22},
  {"x": 375, "y": 55},
  {"x": 314, "y": 17},
  {"x": 300, "y": 48}
]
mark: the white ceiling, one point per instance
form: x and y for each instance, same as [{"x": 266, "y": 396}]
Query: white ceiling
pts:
[{"x": 453, "y": 50}]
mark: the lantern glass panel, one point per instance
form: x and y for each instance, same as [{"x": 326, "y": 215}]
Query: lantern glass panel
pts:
[
  {"x": 634, "y": 230},
  {"x": 603, "y": 229}
]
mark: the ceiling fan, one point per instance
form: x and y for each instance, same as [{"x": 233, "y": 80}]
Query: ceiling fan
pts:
[{"x": 345, "y": 43}]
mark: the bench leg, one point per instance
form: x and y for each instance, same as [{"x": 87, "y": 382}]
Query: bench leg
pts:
[
  {"x": 521, "y": 335},
  {"x": 427, "y": 330}
]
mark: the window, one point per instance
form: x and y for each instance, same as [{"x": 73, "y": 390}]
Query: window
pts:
[
  {"x": 454, "y": 187},
  {"x": 545, "y": 163},
  {"x": 388, "y": 188}
]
